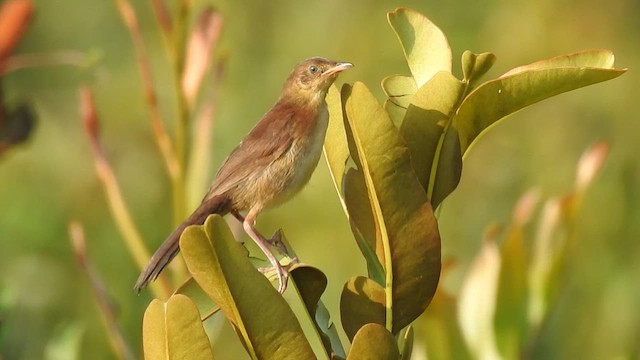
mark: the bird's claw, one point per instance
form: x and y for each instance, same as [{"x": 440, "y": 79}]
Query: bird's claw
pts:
[{"x": 282, "y": 271}]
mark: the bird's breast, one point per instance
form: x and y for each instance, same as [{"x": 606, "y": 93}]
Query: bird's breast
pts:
[{"x": 304, "y": 154}]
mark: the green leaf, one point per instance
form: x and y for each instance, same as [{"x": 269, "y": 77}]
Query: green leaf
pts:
[
  {"x": 432, "y": 142},
  {"x": 399, "y": 90},
  {"x": 260, "y": 316},
  {"x": 173, "y": 330},
  {"x": 349, "y": 183},
  {"x": 373, "y": 341},
  {"x": 311, "y": 283},
  {"x": 362, "y": 302},
  {"x": 476, "y": 65},
  {"x": 602, "y": 59},
  {"x": 336, "y": 150},
  {"x": 403, "y": 216},
  {"x": 363, "y": 224},
  {"x": 424, "y": 45},
  {"x": 527, "y": 85}
]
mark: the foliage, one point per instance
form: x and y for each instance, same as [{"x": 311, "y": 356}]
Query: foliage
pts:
[{"x": 392, "y": 166}]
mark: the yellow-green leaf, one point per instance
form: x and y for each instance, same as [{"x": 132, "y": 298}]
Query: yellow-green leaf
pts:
[
  {"x": 336, "y": 150},
  {"x": 476, "y": 65},
  {"x": 403, "y": 215},
  {"x": 399, "y": 90},
  {"x": 373, "y": 341},
  {"x": 435, "y": 154},
  {"x": 424, "y": 45},
  {"x": 521, "y": 87},
  {"x": 261, "y": 317},
  {"x": 362, "y": 302},
  {"x": 602, "y": 59},
  {"x": 173, "y": 330}
]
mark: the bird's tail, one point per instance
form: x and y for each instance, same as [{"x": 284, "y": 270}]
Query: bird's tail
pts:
[{"x": 170, "y": 247}]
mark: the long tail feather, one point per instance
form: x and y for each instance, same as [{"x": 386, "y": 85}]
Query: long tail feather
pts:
[{"x": 170, "y": 247}]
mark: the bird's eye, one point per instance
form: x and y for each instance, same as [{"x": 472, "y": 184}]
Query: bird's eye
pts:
[{"x": 313, "y": 69}]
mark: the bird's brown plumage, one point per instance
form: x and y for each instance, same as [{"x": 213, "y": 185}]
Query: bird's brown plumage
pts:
[{"x": 271, "y": 164}]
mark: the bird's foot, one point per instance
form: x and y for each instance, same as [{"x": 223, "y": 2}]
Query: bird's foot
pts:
[{"x": 282, "y": 271}]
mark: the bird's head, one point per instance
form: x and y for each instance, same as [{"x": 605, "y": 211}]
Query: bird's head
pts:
[{"x": 310, "y": 79}]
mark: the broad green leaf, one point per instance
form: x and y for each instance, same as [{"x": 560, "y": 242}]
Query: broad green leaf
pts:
[
  {"x": 399, "y": 90},
  {"x": 260, "y": 316},
  {"x": 363, "y": 223},
  {"x": 349, "y": 183},
  {"x": 373, "y": 341},
  {"x": 362, "y": 302},
  {"x": 401, "y": 210},
  {"x": 435, "y": 154},
  {"x": 477, "y": 302},
  {"x": 173, "y": 330},
  {"x": 498, "y": 98},
  {"x": 336, "y": 150},
  {"x": 600, "y": 59},
  {"x": 476, "y": 65},
  {"x": 424, "y": 45},
  {"x": 311, "y": 283}
]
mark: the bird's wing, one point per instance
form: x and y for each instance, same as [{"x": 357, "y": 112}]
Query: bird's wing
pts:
[{"x": 266, "y": 142}]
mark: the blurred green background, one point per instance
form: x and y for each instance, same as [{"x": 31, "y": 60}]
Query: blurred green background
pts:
[{"x": 46, "y": 307}]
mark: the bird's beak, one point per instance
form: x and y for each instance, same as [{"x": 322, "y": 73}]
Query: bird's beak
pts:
[{"x": 338, "y": 68}]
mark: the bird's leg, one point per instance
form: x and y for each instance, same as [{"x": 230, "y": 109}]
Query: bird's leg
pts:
[
  {"x": 263, "y": 244},
  {"x": 275, "y": 240}
]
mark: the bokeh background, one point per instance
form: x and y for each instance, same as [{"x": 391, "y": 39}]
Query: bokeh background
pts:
[{"x": 46, "y": 307}]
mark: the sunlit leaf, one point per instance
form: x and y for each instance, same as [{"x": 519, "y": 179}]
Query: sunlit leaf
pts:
[
  {"x": 336, "y": 150},
  {"x": 476, "y": 65},
  {"x": 495, "y": 99},
  {"x": 349, "y": 183},
  {"x": 362, "y": 302},
  {"x": 425, "y": 47},
  {"x": 258, "y": 313},
  {"x": 373, "y": 341},
  {"x": 402, "y": 213},
  {"x": 477, "y": 302},
  {"x": 435, "y": 154},
  {"x": 173, "y": 330},
  {"x": 399, "y": 90},
  {"x": 602, "y": 59}
]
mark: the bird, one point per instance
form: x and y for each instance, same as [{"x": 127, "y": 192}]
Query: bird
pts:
[{"x": 270, "y": 165}]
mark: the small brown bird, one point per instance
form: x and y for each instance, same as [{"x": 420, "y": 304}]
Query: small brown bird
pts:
[{"x": 273, "y": 162}]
